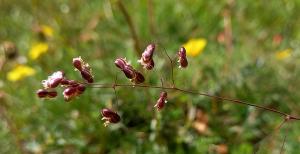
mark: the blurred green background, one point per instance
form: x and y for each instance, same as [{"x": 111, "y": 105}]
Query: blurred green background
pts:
[{"x": 251, "y": 53}]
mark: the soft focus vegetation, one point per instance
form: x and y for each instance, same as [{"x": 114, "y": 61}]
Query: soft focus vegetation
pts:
[{"x": 236, "y": 48}]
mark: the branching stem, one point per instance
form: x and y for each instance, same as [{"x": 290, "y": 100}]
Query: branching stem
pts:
[
  {"x": 171, "y": 64},
  {"x": 115, "y": 85}
]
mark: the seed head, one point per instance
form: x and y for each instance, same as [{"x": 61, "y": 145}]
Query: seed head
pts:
[
  {"x": 84, "y": 69},
  {"x": 148, "y": 52},
  {"x": 109, "y": 116},
  {"x": 52, "y": 94},
  {"x": 42, "y": 93},
  {"x": 147, "y": 57},
  {"x": 161, "y": 100},
  {"x": 183, "y": 63},
  {"x": 132, "y": 74},
  {"x": 129, "y": 71},
  {"x": 54, "y": 80},
  {"x": 86, "y": 75},
  {"x": 138, "y": 78},
  {"x": 67, "y": 82},
  {"x": 121, "y": 63},
  {"x": 80, "y": 88},
  {"x": 150, "y": 65},
  {"x": 78, "y": 63},
  {"x": 72, "y": 91},
  {"x": 46, "y": 93}
]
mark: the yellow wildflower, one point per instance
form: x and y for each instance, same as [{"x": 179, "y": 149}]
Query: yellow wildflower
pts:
[
  {"x": 47, "y": 30},
  {"x": 37, "y": 50},
  {"x": 283, "y": 54},
  {"x": 20, "y": 72},
  {"x": 195, "y": 47}
]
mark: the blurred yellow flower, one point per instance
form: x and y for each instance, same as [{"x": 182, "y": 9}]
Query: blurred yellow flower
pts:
[
  {"x": 47, "y": 30},
  {"x": 283, "y": 54},
  {"x": 20, "y": 72},
  {"x": 195, "y": 47},
  {"x": 37, "y": 50}
]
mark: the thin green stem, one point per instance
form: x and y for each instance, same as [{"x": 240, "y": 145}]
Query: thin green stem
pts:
[
  {"x": 171, "y": 63},
  {"x": 131, "y": 26},
  {"x": 290, "y": 117}
]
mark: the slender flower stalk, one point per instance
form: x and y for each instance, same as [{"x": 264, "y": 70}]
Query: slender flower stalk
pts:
[
  {"x": 236, "y": 101},
  {"x": 73, "y": 88}
]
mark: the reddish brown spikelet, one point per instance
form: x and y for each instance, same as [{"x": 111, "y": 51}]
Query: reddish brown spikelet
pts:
[
  {"x": 148, "y": 52},
  {"x": 138, "y": 78},
  {"x": 120, "y": 63},
  {"x": 86, "y": 75},
  {"x": 183, "y": 63},
  {"x": 53, "y": 80},
  {"x": 80, "y": 88},
  {"x": 77, "y": 63},
  {"x": 70, "y": 91},
  {"x": 150, "y": 65},
  {"x": 42, "y": 93},
  {"x": 132, "y": 74},
  {"x": 84, "y": 69},
  {"x": 129, "y": 71},
  {"x": 46, "y": 93},
  {"x": 109, "y": 116},
  {"x": 52, "y": 94},
  {"x": 161, "y": 100},
  {"x": 147, "y": 57}
]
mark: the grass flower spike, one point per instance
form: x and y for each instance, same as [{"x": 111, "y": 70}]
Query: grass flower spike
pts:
[
  {"x": 147, "y": 57},
  {"x": 54, "y": 80},
  {"x": 132, "y": 74},
  {"x": 46, "y": 93},
  {"x": 109, "y": 116},
  {"x": 72, "y": 88},
  {"x": 183, "y": 63},
  {"x": 84, "y": 69},
  {"x": 161, "y": 101}
]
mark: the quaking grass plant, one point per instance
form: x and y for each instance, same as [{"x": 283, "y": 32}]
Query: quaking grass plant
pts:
[{"x": 73, "y": 88}]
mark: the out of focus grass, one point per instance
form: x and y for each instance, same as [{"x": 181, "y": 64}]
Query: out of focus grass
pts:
[{"x": 258, "y": 63}]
